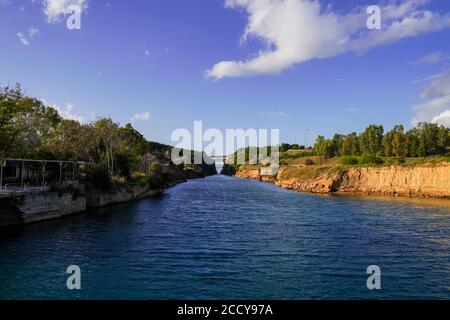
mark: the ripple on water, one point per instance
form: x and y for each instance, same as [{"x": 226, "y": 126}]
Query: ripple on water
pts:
[{"x": 228, "y": 238}]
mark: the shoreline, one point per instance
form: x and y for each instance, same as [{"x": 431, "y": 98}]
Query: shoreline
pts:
[
  {"x": 443, "y": 203},
  {"x": 427, "y": 181},
  {"x": 25, "y": 209}
]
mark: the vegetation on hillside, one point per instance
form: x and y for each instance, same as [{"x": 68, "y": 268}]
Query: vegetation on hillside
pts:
[
  {"x": 116, "y": 154},
  {"x": 427, "y": 142},
  {"x": 426, "y": 139}
]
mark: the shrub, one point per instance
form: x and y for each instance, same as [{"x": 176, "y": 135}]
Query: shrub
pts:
[
  {"x": 309, "y": 162},
  {"x": 348, "y": 161},
  {"x": 99, "y": 176},
  {"x": 119, "y": 181},
  {"x": 395, "y": 161},
  {"x": 368, "y": 158}
]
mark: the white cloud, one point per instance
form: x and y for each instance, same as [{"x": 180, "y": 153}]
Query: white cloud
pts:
[
  {"x": 55, "y": 9},
  {"x": 443, "y": 119},
  {"x": 439, "y": 87},
  {"x": 32, "y": 32},
  {"x": 68, "y": 113},
  {"x": 23, "y": 39},
  {"x": 353, "y": 109},
  {"x": 432, "y": 58},
  {"x": 143, "y": 116},
  {"x": 437, "y": 108},
  {"x": 427, "y": 79},
  {"x": 295, "y": 31}
]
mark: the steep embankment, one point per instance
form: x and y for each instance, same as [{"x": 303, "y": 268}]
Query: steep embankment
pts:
[{"x": 426, "y": 180}]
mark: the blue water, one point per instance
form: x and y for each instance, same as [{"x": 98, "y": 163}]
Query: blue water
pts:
[{"x": 227, "y": 238}]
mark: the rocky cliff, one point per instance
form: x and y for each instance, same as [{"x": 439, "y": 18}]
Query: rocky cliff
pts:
[{"x": 426, "y": 180}]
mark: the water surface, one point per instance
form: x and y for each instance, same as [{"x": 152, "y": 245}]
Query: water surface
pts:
[{"x": 227, "y": 238}]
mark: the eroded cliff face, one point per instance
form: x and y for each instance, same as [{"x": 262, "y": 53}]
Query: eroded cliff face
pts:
[
  {"x": 427, "y": 180},
  {"x": 248, "y": 173}
]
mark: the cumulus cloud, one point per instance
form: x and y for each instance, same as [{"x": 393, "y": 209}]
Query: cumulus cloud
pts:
[
  {"x": 437, "y": 108},
  {"x": 67, "y": 112},
  {"x": 295, "y": 31},
  {"x": 443, "y": 118},
  {"x": 55, "y": 9},
  {"x": 143, "y": 116}
]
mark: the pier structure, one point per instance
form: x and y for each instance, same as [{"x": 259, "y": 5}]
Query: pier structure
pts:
[{"x": 15, "y": 172}]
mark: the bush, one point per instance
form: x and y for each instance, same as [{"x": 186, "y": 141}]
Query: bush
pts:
[
  {"x": 370, "y": 159},
  {"x": 395, "y": 161},
  {"x": 309, "y": 162},
  {"x": 119, "y": 181},
  {"x": 99, "y": 177},
  {"x": 125, "y": 164},
  {"x": 348, "y": 161}
]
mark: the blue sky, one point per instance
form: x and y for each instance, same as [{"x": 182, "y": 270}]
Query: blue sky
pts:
[{"x": 158, "y": 63}]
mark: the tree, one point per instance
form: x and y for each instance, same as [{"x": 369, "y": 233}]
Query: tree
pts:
[
  {"x": 350, "y": 145},
  {"x": 73, "y": 141},
  {"x": 107, "y": 133},
  {"x": 399, "y": 147},
  {"x": 337, "y": 143},
  {"x": 319, "y": 145},
  {"x": 25, "y": 123},
  {"x": 443, "y": 141},
  {"x": 324, "y": 147},
  {"x": 371, "y": 139}
]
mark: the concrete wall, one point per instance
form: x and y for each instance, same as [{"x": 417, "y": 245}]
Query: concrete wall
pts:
[
  {"x": 48, "y": 205},
  {"x": 38, "y": 206},
  {"x": 97, "y": 198}
]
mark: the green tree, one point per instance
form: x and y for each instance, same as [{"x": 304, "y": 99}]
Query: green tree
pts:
[
  {"x": 337, "y": 143},
  {"x": 443, "y": 142},
  {"x": 371, "y": 139},
  {"x": 350, "y": 146}
]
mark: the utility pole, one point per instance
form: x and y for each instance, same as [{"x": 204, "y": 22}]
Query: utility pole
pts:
[{"x": 307, "y": 138}]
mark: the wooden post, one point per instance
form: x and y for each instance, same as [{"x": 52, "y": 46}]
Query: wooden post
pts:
[
  {"x": 43, "y": 174},
  {"x": 21, "y": 173},
  {"x": 60, "y": 172},
  {"x": 73, "y": 171}
]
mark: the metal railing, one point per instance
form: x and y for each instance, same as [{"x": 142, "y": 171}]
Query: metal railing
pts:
[{"x": 18, "y": 188}]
